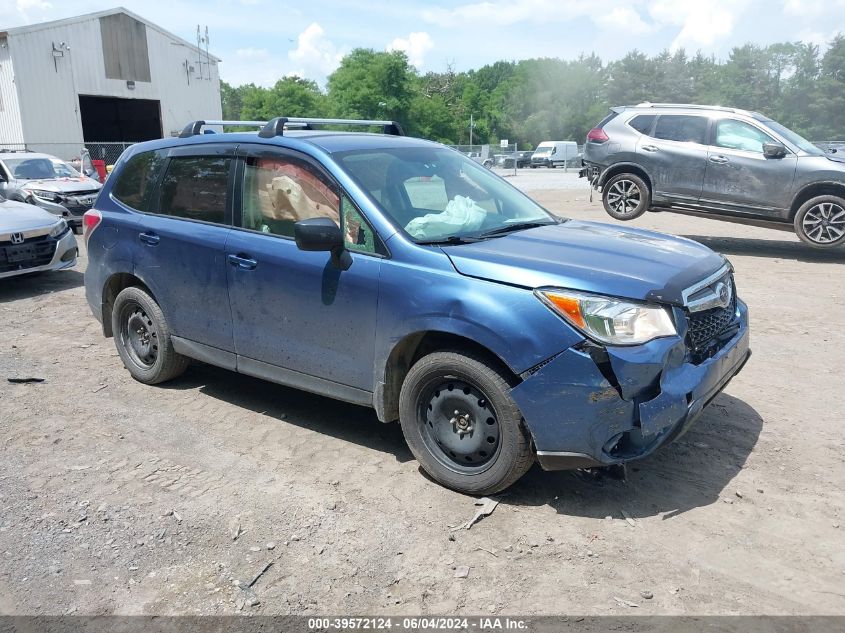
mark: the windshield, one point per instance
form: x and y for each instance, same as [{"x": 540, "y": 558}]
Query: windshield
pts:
[
  {"x": 543, "y": 150},
  {"x": 796, "y": 139},
  {"x": 39, "y": 168},
  {"x": 437, "y": 194}
]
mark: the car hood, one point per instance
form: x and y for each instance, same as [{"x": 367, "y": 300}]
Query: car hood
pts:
[
  {"x": 16, "y": 217},
  {"x": 61, "y": 185},
  {"x": 592, "y": 257},
  {"x": 836, "y": 158}
]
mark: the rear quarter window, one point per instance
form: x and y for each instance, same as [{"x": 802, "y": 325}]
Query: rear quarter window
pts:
[
  {"x": 642, "y": 123},
  {"x": 137, "y": 179}
]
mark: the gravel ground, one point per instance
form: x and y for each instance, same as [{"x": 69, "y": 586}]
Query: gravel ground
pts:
[{"x": 121, "y": 498}]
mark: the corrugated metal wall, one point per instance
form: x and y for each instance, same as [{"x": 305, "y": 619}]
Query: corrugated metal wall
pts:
[
  {"x": 49, "y": 85},
  {"x": 10, "y": 118}
]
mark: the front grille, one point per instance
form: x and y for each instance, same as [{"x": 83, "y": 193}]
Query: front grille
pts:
[
  {"x": 707, "y": 330},
  {"x": 33, "y": 252}
]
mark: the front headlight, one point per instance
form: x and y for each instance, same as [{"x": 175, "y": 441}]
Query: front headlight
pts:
[
  {"x": 49, "y": 196},
  {"x": 58, "y": 229},
  {"x": 607, "y": 319}
]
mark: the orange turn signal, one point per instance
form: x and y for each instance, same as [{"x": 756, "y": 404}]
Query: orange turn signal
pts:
[{"x": 569, "y": 306}]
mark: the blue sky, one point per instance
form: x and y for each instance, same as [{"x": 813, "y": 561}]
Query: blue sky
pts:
[{"x": 261, "y": 40}]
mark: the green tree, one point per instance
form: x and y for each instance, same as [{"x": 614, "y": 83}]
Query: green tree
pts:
[
  {"x": 372, "y": 85},
  {"x": 291, "y": 96}
]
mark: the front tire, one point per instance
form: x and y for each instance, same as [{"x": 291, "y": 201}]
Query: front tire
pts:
[
  {"x": 820, "y": 222},
  {"x": 461, "y": 424},
  {"x": 142, "y": 338},
  {"x": 626, "y": 197}
]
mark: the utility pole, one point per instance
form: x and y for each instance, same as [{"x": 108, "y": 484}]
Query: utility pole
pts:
[{"x": 470, "y": 129}]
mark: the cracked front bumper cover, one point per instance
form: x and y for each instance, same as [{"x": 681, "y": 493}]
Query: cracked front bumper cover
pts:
[{"x": 578, "y": 418}]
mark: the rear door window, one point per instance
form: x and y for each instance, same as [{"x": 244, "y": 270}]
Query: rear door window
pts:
[
  {"x": 137, "y": 180},
  {"x": 681, "y": 128},
  {"x": 196, "y": 188}
]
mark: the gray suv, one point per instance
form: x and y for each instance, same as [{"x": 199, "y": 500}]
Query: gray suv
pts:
[{"x": 726, "y": 163}]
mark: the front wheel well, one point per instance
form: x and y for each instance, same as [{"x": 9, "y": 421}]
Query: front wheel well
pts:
[
  {"x": 115, "y": 284},
  {"x": 615, "y": 170},
  {"x": 414, "y": 347},
  {"x": 812, "y": 191}
]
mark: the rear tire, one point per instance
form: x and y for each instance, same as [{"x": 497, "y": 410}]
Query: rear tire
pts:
[
  {"x": 820, "y": 222},
  {"x": 461, "y": 424},
  {"x": 626, "y": 197},
  {"x": 142, "y": 338}
]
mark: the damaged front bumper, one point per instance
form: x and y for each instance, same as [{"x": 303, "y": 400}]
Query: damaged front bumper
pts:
[{"x": 593, "y": 406}]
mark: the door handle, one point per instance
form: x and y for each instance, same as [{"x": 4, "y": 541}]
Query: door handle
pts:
[
  {"x": 150, "y": 239},
  {"x": 650, "y": 148},
  {"x": 243, "y": 262},
  {"x": 719, "y": 160}
]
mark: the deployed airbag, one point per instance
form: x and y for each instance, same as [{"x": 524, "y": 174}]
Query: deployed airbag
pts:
[{"x": 460, "y": 215}]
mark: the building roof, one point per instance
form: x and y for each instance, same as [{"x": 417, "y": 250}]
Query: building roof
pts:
[{"x": 28, "y": 28}]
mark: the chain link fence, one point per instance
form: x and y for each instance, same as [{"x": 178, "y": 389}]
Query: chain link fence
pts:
[
  {"x": 107, "y": 152},
  {"x": 497, "y": 157}
]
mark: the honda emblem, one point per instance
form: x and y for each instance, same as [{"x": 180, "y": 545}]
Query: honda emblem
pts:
[{"x": 17, "y": 238}]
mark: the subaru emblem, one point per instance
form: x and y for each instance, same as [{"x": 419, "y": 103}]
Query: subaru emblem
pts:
[{"x": 17, "y": 238}]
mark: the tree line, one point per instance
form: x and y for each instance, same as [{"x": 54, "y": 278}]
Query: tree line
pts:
[{"x": 553, "y": 99}]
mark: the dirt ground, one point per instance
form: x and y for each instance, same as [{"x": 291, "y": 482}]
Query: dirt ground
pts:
[{"x": 121, "y": 498}]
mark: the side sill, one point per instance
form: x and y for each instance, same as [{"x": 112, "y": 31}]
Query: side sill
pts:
[
  {"x": 297, "y": 380},
  {"x": 204, "y": 353}
]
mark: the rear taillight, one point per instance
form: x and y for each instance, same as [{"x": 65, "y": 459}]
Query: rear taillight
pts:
[
  {"x": 597, "y": 135},
  {"x": 90, "y": 220}
]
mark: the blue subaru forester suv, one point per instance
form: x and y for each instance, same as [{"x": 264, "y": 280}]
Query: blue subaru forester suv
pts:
[{"x": 396, "y": 273}]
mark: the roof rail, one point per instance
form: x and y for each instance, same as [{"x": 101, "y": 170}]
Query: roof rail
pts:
[
  {"x": 195, "y": 127},
  {"x": 277, "y": 126},
  {"x": 684, "y": 106}
]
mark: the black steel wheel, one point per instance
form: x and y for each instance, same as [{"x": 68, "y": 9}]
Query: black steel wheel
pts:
[
  {"x": 462, "y": 425},
  {"x": 138, "y": 334},
  {"x": 626, "y": 196},
  {"x": 142, "y": 338},
  {"x": 458, "y": 425}
]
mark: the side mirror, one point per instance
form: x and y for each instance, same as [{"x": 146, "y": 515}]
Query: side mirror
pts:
[
  {"x": 322, "y": 234},
  {"x": 774, "y": 150}
]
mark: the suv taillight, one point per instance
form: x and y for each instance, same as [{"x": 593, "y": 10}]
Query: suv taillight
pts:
[
  {"x": 597, "y": 135},
  {"x": 90, "y": 220}
]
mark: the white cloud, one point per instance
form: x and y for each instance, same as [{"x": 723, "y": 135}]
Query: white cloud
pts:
[
  {"x": 25, "y": 5},
  {"x": 803, "y": 8},
  {"x": 252, "y": 65},
  {"x": 622, "y": 18},
  {"x": 613, "y": 15},
  {"x": 415, "y": 46},
  {"x": 314, "y": 53},
  {"x": 507, "y": 12},
  {"x": 702, "y": 23},
  {"x": 26, "y": 8}
]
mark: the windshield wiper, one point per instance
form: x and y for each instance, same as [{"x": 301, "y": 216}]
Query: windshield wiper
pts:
[
  {"x": 515, "y": 226},
  {"x": 452, "y": 239}
]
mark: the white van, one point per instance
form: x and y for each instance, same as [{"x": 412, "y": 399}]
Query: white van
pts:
[{"x": 554, "y": 153}]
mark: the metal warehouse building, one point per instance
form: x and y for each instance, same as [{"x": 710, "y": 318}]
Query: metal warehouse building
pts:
[{"x": 110, "y": 76}]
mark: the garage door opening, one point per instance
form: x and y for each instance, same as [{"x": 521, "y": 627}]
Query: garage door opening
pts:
[{"x": 110, "y": 119}]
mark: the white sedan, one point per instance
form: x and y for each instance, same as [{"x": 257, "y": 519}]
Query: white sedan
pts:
[{"x": 33, "y": 240}]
